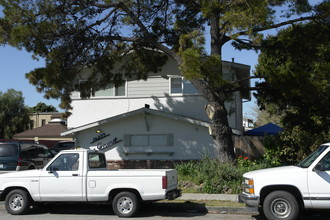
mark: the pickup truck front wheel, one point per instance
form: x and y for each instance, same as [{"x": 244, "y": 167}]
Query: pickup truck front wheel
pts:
[
  {"x": 280, "y": 205},
  {"x": 17, "y": 202},
  {"x": 125, "y": 204}
]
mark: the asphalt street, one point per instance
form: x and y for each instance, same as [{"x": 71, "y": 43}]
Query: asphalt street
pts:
[
  {"x": 152, "y": 212},
  {"x": 93, "y": 212}
]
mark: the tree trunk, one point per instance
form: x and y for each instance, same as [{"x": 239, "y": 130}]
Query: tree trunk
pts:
[
  {"x": 220, "y": 130},
  {"x": 222, "y": 133}
]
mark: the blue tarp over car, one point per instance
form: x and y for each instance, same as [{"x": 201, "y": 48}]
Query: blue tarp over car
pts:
[{"x": 267, "y": 129}]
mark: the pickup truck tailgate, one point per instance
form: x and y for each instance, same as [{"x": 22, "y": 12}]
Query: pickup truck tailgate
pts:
[{"x": 172, "y": 179}]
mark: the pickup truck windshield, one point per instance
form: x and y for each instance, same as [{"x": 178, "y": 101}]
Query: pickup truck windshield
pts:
[
  {"x": 312, "y": 157},
  {"x": 65, "y": 162}
]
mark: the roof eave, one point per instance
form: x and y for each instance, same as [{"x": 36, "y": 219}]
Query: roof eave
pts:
[{"x": 138, "y": 111}]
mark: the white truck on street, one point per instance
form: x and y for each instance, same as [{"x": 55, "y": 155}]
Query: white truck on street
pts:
[
  {"x": 280, "y": 193},
  {"x": 82, "y": 176}
]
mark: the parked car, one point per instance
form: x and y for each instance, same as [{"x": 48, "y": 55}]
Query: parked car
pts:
[
  {"x": 16, "y": 156},
  {"x": 63, "y": 145}
]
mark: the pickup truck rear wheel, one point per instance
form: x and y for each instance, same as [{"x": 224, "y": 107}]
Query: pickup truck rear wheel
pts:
[
  {"x": 280, "y": 205},
  {"x": 125, "y": 204},
  {"x": 17, "y": 202}
]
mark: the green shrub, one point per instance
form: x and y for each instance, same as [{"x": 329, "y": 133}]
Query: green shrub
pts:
[{"x": 210, "y": 176}]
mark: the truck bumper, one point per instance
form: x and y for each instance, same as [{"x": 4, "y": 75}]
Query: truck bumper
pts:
[
  {"x": 173, "y": 194},
  {"x": 249, "y": 200}
]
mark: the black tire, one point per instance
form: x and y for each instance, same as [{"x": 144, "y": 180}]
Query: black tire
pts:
[
  {"x": 280, "y": 205},
  {"x": 17, "y": 202},
  {"x": 125, "y": 204}
]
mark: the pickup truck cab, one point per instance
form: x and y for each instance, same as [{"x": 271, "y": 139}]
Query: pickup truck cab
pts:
[
  {"x": 282, "y": 192},
  {"x": 82, "y": 176}
]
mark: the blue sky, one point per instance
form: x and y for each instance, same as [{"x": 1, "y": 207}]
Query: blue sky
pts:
[{"x": 14, "y": 64}]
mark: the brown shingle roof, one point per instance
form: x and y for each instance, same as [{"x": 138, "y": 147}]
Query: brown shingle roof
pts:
[{"x": 51, "y": 130}]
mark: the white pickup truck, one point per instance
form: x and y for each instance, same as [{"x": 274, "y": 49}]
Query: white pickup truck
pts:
[
  {"x": 282, "y": 192},
  {"x": 82, "y": 176}
]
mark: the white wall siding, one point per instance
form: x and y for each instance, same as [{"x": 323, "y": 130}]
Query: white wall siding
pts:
[
  {"x": 189, "y": 141},
  {"x": 155, "y": 86},
  {"x": 91, "y": 110}
]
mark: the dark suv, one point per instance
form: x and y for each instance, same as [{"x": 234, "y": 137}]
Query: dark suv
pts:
[{"x": 15, "y": 156}]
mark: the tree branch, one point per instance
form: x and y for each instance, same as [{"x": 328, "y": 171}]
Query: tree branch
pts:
[
  {"x": 248, "y": 44},
  {"x": 148, "y": 36},
  {"x": 119, "y": 38},
  {"x": 278, "y": 25},
  {"x": 98, "y": 22}
]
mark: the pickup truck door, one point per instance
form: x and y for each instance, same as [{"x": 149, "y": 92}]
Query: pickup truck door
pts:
[
  {"x": 319, "y": 183},
  {"x": 62, "y": 180}
]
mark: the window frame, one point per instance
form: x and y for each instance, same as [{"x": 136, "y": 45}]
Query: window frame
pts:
[
  {"x": 114, "y": 89},
  {"x": 53, "y": 165},
  {"x": 171, "y": 86},
  {"x": 169, "y": 140},
  {"x": 185, "y": 84},
  {"x": 102, "y": 159}
]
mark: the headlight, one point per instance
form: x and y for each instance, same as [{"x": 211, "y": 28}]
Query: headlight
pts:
[{"x": 248, "y": 186}]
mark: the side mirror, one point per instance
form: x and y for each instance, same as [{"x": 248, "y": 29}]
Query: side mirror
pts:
[
  {"x": 52, "y": 169},
  {"x": 319, "y": 168}
]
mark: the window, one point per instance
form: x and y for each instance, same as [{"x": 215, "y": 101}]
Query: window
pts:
[
  {"x": 182, "y": 86},
  {"x": 108, "y": 91},
  {"x": 176, "y": 85},
  {"x": 149, "y": 140},
  {"x": 121, "y": 90},
  {"x": 312, "y": 157},
  {"x": 325, "y": 162},
  {"x": 43, "y": 122},
  {"x": 31, "y": 124},
  {"x": 158, "y": 140},
  {"x": 8, "y": 150},
  {"x": 43, "y": 152},
  {"x": 188, "y": 87},
  {"x": 111, "y": 91},
  {"x": 65, "y": 162},
  {"x": 63, "y": 146},
  {"x": 139, "y": 140},
  {"x": 96, "y": 160}
]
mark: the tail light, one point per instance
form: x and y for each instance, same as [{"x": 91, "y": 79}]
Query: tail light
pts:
[
  {"x": 19, "y": 162},
  {"x": 164, "y": 182}
]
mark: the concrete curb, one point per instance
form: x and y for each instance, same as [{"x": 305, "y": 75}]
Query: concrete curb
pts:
[
  {"x": 201, "y": 196},
  {"x": 201, "y": 208}
]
